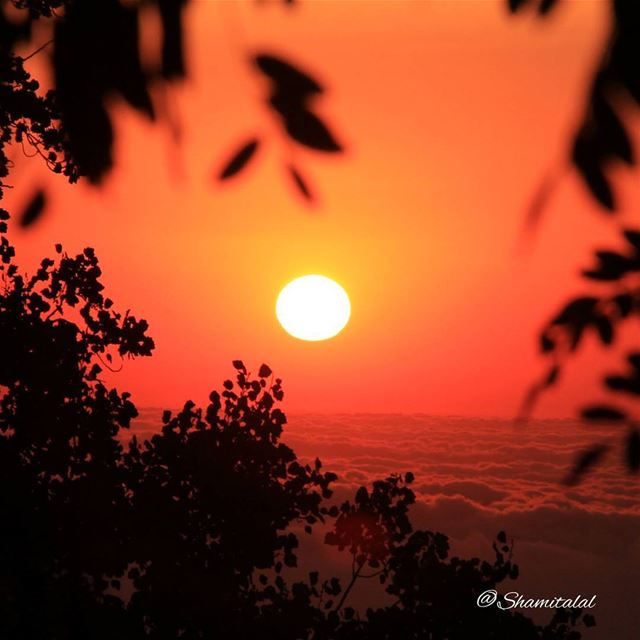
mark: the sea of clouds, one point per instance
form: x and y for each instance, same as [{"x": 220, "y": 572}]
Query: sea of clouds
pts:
[{"x": 475, "y": 477}]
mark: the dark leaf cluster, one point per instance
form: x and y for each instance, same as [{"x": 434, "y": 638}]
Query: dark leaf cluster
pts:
[
  {"x": 291, "y": 97},
  {"x": 601, "y": 315},
  {"x": 28, "y": 118},
  {"x": 96, "y": 56},
  {"x": 602, "y": 139}
]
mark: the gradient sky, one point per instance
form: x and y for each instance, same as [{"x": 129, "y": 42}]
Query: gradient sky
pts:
[{"x": 451, "y": 113}]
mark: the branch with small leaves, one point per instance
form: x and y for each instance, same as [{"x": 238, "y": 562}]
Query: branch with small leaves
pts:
[
  {"x": 601, "y": 315},
  {"x": 290, "y": 101},
  {"x": 601, "y": 140}
]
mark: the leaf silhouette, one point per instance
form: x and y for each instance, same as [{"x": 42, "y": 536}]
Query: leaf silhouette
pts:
[
  {"x": 307, "y": 129},
  {"x": 239, "y": 159},
  {"x": 612, "y": 266},
  {"x": 516, "y": 5},
  {"x": 300, "y": 183},
  {"x": 288, "y": 79},
  {"x": 552, "y": 377},
  {"x": 239, "y": 365},
  {"x": 173, "y": 38},
  {"x": 291, "y": 92},
  {"x": 576, "y": 316},
  {"x": 614, "y": 137},
  {"x": 603, "y": 413},
  {"x": 546, "y": 343},
  {"x": 34, "y": 209},
  {"x": 585, "y": 461},
  {"x": 265, "y": 371},
  {"x": 633, "y": 451},
  {"x": 633, "y": 238},
  {"x": 605, "y": 330},
  {"x": 579, "y": 310},
  {"x": 629, "y": 384},
  {"x": 588, "y": 164},
  {"x": 545, "y": 6},
  {"x": 622, "y": 384},
  {"x": 540, "y": 199},
  {"x": 624, "y": 303},
  {"x": 534, "y": 392},
  {"x": 90, "y": 65}
]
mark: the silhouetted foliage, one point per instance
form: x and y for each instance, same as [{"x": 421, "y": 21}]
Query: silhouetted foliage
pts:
[
  {"x": 192, "y": 533},
  {"x": 27, "y": 118},
  {"x": 585, "y": 461},
  {"x": 62, "y": 495},
  {"x": 290, "y": 99},
  {"x": 601, "y": 315},
  {"x": 34, "y": 208},
  {"x": 96, "y": 56},
  {"x": 239, "y": 159},
  {"x": 601, "y": 139},
  {"x": 219, "y": 489},
  {"x": 171, "y": 16},
  {"x": 301, "y": 183}
]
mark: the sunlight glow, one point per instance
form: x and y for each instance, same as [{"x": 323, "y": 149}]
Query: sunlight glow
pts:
[{"x": 313, "y": 308}]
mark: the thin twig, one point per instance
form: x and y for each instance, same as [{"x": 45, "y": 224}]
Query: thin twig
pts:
[
  {"x": 354, "y": 577},
  {"x": 38, "y": 50}
]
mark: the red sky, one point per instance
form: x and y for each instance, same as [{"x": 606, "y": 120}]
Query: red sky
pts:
[{"x": 451, "y": 113}]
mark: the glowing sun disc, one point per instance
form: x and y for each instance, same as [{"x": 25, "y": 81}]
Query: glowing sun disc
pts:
[{"x": 313, "y": 308}]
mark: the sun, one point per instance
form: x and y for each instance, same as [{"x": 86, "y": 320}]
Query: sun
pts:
[{"x": 313, "y": 307}]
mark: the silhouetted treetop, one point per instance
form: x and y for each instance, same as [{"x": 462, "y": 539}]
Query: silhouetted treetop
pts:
[
  {"x": 28, "y": 118},
  {"x": 57, "y": 334}
]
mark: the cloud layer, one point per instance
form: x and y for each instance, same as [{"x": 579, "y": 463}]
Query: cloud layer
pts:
[{"x": 477, "y": 476}]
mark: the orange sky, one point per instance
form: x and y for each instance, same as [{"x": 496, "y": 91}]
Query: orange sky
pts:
[{"x": 451, "y": 112}]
